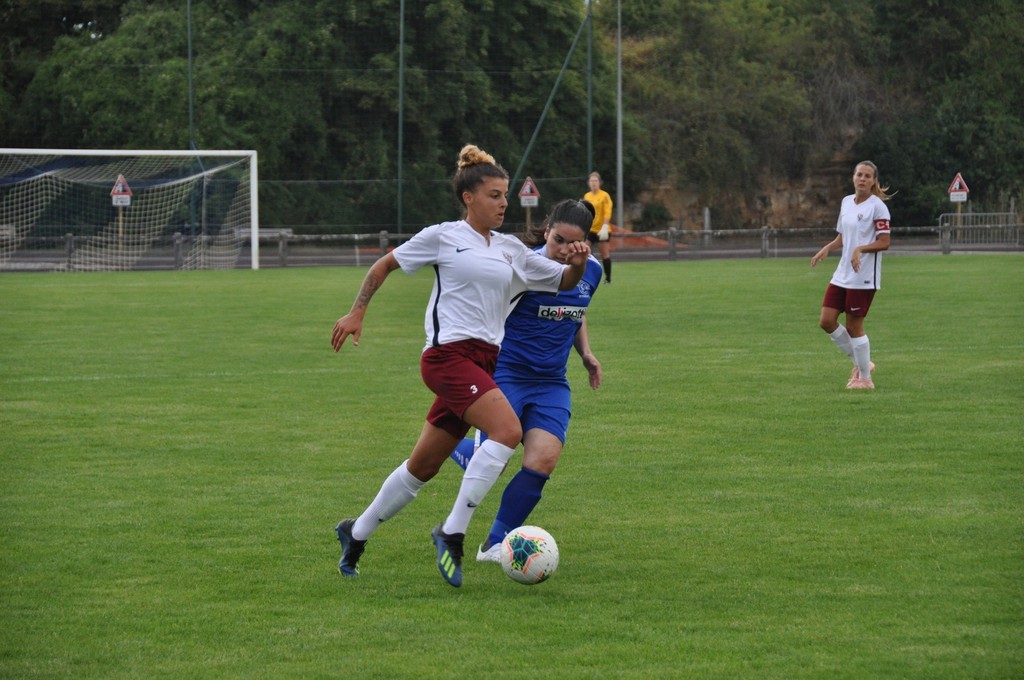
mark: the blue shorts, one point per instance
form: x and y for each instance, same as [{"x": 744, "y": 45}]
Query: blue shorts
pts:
[{"x": 541, "y": 405}]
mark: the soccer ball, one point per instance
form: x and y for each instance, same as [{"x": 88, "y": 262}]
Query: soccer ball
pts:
[{"x": 529, "y": 555}]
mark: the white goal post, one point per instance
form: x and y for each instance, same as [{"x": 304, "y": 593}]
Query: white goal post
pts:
[{"x": 111, "y": 209}]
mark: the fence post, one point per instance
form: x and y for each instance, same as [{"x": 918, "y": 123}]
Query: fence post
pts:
[
  {"x": 282, "y": 248},
  {"x": 945, "y": 237},
  {"x": 764, "y": 241},
  {"x": 383, "y": 243},
  {"x": 671, "y": 243},
  {"x": 178, "y": 245},
  {"x": 69, "y": 247}
]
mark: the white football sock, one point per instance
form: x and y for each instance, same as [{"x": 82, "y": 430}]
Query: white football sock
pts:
[
  {"x": 395, "y": 493},
  {"x": 862, "y": 355},
  {"x": 482, "y": 472},
  {"x": 842, "y": 338}
]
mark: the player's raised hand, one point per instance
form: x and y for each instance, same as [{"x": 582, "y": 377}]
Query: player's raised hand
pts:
[{"x": 578, "y": 252}]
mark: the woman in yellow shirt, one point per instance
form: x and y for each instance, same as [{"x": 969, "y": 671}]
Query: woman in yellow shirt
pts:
[{"x": 600, "y": 229}]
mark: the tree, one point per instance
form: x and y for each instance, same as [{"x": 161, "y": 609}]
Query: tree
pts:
[
  {"x": 313, "y": 86},
  {"x": 728, "y": 98},
  {"x": 953, "y": 79},
  {"x": 722, "y": 104},
  {"x": 30, "y": 28}
]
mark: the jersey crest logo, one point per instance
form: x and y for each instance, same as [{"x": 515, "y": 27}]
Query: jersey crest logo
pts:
[{"x": 508, "y": 256}]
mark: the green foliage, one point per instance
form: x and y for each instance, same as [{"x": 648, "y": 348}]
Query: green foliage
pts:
[
  {"x": 728, "y": 91},
  {"x": 313, "y": 88},
  {"x": 93, "y": 91},
  {"x": 724, "y": 98},
  {"x": 178, "y": 446},
  {"x": 964, "y": 111},
  {"x": 30, "y": 28},
  {"x": 655, "y": 217}
]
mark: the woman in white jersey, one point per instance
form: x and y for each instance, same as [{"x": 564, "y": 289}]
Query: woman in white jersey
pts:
[
  {"x": 863, "y": 228},
  {"x": 477, "y": 271}
]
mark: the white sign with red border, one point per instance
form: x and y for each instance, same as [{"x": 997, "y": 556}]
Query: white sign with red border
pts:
[
  {"x": 121, "y": 194},
  {"x": 958, "y": 190},
  {"x": 528, "y": 194}
]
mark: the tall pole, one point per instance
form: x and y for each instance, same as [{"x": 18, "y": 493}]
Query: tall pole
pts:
[
  {"x": 254, "y": 240},
  {"x": 191, "y": 104},
  {"x": 547, "y": 106},
  {"x": 401, "y": 103},
  {"x": 590, "y": 89},
  {"x": 618, "y": 123}
]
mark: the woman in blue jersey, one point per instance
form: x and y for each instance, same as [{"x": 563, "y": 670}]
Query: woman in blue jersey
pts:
[
  {"x": 540, "y": 333},
  {"x": 476, "y": 272},
  {"x": 863, "y": 227}
]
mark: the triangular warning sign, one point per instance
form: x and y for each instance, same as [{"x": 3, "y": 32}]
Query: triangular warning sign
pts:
[
  {"x": 958, "y": 185},
  {"x": 529, "y": 189},
  {"x": 121, "y": 187}
]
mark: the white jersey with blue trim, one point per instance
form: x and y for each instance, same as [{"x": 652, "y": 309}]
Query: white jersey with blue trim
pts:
[
  {"x": 473, "y": 279},
  {"x": 541, "y": 329},
  {"x": 860, "y": 224}
]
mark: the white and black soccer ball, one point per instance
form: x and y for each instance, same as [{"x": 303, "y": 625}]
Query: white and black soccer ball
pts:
[{"x": 529, "y": 555}]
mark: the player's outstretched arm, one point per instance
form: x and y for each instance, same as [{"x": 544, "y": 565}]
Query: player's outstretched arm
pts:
[
  {"x": 582, "y": 344},
  {"x": 352, "y": 323},
  {"x": 837, "y": 242}
]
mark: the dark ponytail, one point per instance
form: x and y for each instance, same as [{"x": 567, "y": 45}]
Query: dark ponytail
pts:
[{"x": 569, "y": 211}]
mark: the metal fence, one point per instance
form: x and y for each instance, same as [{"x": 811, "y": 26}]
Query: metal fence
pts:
[
  {"x": 283, "y": 248},
  {"x": 668, "y": 244},
  {"x": 978, "y": 229}
]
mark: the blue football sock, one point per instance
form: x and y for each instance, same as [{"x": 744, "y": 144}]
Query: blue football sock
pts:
[
  {"x": 517, "y": 502},
  {"x": 463, "y": 452}
]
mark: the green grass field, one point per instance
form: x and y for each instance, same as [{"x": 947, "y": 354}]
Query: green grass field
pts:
[{"x": 176, "y": 448}]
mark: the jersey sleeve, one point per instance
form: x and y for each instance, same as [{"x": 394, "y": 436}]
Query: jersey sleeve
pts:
[
  {"x": 422, "y": 249},
  {"x": 881, "y": 218},
  {"x": 534, "y": 271},
  {"x": 606, "y": 208},
  {"x": 839, "y": 217}
]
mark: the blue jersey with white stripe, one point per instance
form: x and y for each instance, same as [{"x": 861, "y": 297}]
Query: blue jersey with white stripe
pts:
[{"x": 540, "y": 330}]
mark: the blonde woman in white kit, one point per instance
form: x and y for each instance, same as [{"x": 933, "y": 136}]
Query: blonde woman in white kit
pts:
[
  {"x": 477, "y": 271},
  {"x": 863, "y": 227}
]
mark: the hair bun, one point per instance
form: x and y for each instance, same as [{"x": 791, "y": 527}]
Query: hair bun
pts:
[{"x": 472, "y": 154}]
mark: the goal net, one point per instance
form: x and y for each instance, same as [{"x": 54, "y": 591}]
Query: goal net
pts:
[{"x": 90, "y": 210}]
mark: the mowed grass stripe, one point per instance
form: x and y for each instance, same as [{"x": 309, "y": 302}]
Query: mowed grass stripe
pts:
[{"x": 176, "y": 448}]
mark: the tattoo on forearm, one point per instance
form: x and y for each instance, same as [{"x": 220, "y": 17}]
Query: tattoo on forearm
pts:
[{"x": 370, "y": 285}]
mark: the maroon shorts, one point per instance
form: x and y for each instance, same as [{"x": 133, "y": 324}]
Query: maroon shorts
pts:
[
  {"x": 459, "y": 373},
  {"x": 853, "y": 301}
]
